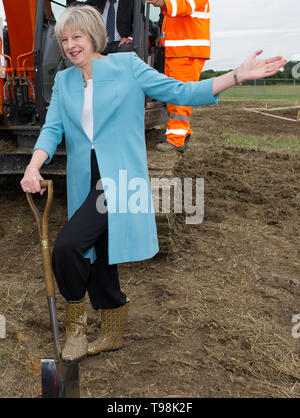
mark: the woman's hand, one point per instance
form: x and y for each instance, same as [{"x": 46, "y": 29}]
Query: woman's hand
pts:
[
  {"x": 253, "y": 68},
  {"x": 30, "y": 183}
]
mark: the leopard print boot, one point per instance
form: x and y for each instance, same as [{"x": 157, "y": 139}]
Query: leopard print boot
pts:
[
  {"x": 76, "y": 344},
  {"x": 113, "y": 323}
]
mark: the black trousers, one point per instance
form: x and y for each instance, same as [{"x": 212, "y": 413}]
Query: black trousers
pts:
[{"x": 74, "y": 274}]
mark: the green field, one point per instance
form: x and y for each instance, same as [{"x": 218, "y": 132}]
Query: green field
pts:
[
  {"x": 260, "y": 92},
  {"x": 287, "y": 143}
]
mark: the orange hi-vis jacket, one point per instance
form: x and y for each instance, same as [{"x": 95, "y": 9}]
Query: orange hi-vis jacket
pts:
[{"x": 186, "y": 29}]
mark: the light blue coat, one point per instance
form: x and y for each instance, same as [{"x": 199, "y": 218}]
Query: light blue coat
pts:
[{"x": 120, "y": 83}]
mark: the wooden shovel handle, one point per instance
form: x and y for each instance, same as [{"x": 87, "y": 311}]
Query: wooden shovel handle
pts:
[{"x": 42, "y": 222}]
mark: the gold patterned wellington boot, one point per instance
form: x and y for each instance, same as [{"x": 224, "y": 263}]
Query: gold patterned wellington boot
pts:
[
  {"x": 113, "y": 323},
  {"x": 76, "y": 344}
]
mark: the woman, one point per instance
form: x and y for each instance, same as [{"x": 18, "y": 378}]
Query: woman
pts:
[{"x": 98, "y": 104}]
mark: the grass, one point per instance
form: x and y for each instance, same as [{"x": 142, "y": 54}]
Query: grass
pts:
[
  {"x": 282, "y": 92},
  {"x": 260, "y": 136},
  {"x": 288, "y": 144}
]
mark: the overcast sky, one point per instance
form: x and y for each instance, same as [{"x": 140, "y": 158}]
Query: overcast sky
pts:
[{"x": 239, "y": 27}]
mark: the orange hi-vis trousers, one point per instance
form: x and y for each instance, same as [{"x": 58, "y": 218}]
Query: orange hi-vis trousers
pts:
[{"x": 179, "y": 117}]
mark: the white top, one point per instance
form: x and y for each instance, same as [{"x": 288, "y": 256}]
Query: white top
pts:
[
  {"x": 104, "y": 17},
  {"x": 87, "y": 119}
]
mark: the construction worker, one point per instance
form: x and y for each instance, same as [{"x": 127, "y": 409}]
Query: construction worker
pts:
[{"x": 185, "y": 35}]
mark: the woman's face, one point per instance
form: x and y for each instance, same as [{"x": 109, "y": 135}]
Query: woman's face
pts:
[{"x": 77, "y": 46}]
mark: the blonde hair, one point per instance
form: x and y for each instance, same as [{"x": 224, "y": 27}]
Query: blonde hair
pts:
[{"x": 88, "y": 20}]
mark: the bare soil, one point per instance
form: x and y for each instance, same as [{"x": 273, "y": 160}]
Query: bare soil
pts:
[
  {"x": 213, "y": 317},
  {"x": 291, "y": 113}
]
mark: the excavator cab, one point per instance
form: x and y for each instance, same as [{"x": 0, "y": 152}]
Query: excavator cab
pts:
[{"x": 30, "y": 58}]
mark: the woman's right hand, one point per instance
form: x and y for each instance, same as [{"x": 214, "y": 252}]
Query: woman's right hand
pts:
[{"x": 30, "y": 182}]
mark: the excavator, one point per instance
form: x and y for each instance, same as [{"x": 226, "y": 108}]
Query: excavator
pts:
[{"x": 29, "y": 60}]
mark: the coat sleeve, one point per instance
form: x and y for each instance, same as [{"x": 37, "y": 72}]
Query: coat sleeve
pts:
[
  {"x": 166, "y": 89},
  {"x": 52, "y": 131},
  {"x": 181, "y": 8}
]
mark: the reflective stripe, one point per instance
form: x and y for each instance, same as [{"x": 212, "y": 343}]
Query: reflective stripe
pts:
[
  {"x": 201, "y": 15},
  {"x": 188, "y": 42},
  {"x": 192, "y": 4},
  {"x": 179, "y": 117},
  {"x": 174, "y": 7},
  {"x": 176, "y": 131}
]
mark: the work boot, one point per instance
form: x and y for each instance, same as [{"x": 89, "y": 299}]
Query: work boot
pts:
[
  {"x": 113, "y": 323},
  {"x": 187, "y": 141},
  {"x": 76, "y": 344},
  {"x": 167, "y": 146}
]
